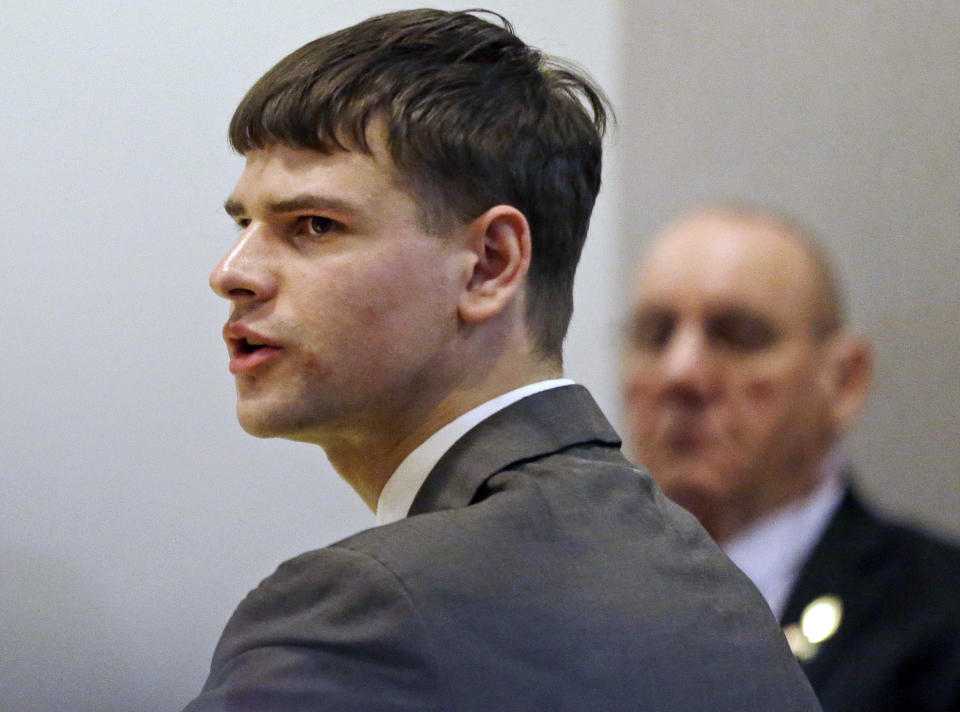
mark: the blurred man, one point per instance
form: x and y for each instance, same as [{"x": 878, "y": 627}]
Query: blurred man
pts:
[
  {"x": 416, "y": 195},
  {"x": 740, "y": 377}
]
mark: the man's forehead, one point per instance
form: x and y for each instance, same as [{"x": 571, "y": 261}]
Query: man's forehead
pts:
[
  {"x": 278, "y": 172},
  {"x": 713, "y": 261}
]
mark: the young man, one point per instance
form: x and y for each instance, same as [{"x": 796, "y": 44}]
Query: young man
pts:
[
  {"x": 741, "y": 376},
  {"x": 415, "y": 199}
]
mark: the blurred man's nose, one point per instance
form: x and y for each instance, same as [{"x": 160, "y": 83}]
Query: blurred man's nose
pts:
[
  {"x": 244, "y": 274},
  {"x": 687, "y": 364}
]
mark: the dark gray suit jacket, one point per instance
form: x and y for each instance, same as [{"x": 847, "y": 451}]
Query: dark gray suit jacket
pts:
[
  {"x": 538, "y": 570},
  {"x": 898, "y": 644}
]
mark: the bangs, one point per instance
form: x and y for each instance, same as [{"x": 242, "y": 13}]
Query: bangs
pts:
[{"x": 304, "y": 110}]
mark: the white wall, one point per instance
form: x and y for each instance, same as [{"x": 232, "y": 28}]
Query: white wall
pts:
[{"x": 136, "y": 513}]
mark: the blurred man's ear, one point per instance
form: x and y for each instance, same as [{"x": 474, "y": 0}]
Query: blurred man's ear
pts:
[{"x": 848, "y": 376}]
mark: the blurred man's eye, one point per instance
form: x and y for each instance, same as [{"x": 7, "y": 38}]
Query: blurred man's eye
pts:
[
  {"x": 741, "y": 331},
  {"x": 650, "y": 331}
]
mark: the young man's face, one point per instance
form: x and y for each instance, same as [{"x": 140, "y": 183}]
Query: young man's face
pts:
[
  {"x": 722, "y": 373},
  {"x": 343, "y": 309}
]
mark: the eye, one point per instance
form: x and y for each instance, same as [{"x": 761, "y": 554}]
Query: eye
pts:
[
  {"x": 650, "y": 331},
  {"x": 319, "y": 225},
  {"x": 741, "y": 331}
]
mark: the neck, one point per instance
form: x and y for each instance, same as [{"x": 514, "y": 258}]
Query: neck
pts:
[
  {"x": 366, "y": 454},
  {"x": 726, "y": 520}
]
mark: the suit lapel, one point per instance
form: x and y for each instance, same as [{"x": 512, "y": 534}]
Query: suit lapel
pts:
[
  {"x": 534, "y": 426},
  {"x": 843, "y": 565},
  {"x": 849, "y": 539}
]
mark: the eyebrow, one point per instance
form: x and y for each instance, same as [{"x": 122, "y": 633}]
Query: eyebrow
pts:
[{"x": 236, "y": 208}]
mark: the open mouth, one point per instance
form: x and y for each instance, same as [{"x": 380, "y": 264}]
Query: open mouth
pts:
[
  {"x": 248, "y": 350},
  {"x": 245, "y": 346},
  {"x": 247, "y": 356}
]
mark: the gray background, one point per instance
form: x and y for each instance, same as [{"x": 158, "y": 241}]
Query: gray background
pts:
[
  {"x": 135, "y": 513},
  {"x": 846, "y": 115}
]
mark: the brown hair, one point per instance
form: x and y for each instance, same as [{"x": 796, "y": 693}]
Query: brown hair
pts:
[{"x": 474, "y": 117}]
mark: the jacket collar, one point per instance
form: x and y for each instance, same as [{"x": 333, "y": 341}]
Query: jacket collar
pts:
[
  {"x": 852, "y": 537},
  {"x": 532, "y": 427}
]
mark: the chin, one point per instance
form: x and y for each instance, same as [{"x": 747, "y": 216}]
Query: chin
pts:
[
  {"x": 701, "y": 502},
  {"x": 689, "y": 480},
  {"x": 262, "y": 424},
  {"x": 258, "y": 428},
  {"x": 279, "y": 423}
]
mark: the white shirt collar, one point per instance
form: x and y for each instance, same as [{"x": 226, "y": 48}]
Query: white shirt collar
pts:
[
  {"x": 402, "y": 487},
  {"x": 772, "y": 550}
]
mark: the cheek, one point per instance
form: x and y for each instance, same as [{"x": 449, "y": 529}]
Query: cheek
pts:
[
  {"x": 394, "y": 311},
  {"x": 348, "y": 297},
  {"x": 768, "y": 402},
  {"x": 639, "y": 402},
  {"x": 763, "y": 394},
  {"x": 398, "y": 311},
  {"x": 638, "y": 379},
  {"x": 314, "y": 364},
  {"x": 416, "y": 280}
]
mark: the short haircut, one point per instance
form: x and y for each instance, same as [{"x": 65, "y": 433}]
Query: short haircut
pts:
[{"x": 474, "y": 118}]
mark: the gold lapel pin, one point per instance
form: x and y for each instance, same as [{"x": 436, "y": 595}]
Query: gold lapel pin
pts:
[{"x": 819, "y": 620}]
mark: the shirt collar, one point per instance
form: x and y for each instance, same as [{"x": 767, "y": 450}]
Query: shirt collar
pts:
[
  {"x": 402, "y": 487},
  {"x": 772, "y": 550}
]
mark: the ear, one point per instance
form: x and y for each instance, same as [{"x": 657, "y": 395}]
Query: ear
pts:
[
  {"x": 500, "y": 242},
  {"x": 848, "y": 376}
]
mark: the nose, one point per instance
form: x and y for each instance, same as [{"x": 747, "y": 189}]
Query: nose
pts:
[
  {"x": 245, "y": 273},
  {"x": 687, "y": 364}
]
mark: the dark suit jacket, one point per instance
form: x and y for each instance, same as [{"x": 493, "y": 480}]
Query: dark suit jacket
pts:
[
  {"x": 898, "y": 644},
  {"x": 539, "y": 571}
]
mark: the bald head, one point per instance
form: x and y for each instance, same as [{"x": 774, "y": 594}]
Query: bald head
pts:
[
  {"x": 772, "y": 235},
  {"x": 738, "y": 374}
]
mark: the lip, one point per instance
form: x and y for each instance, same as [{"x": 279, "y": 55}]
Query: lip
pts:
[
  {"x": 242, "y": 360},
  {"x": 683, "y": 434},
  {"x": 684, "y": 442}
]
